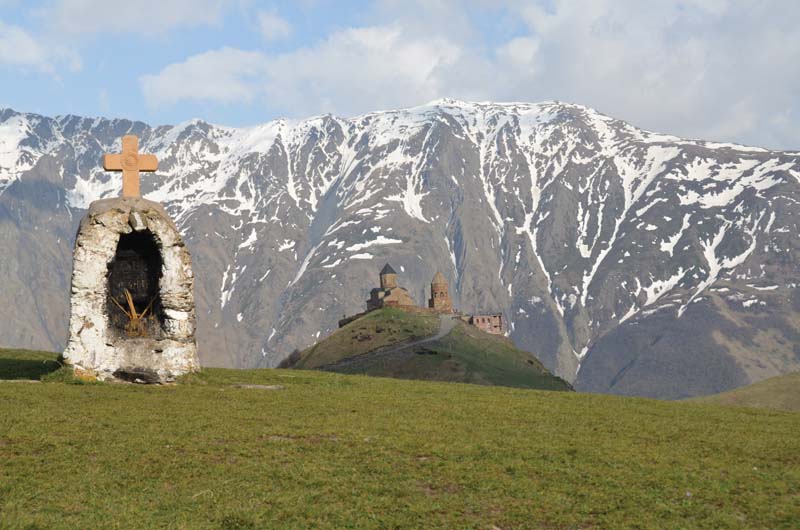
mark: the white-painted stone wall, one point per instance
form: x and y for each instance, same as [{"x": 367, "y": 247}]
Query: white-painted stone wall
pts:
[{"x": 95, "y": 349}]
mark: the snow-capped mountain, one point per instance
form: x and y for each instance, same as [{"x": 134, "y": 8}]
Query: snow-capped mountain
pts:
[{"x": 627, "y": 261}]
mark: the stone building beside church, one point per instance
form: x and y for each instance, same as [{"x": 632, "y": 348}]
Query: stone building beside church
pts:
[{"x": 490, "y": 323}]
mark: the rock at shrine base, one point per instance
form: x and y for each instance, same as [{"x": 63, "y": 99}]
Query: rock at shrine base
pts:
[{"x": 131, "y": 243}]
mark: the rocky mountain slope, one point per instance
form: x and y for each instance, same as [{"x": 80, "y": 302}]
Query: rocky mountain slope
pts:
[{"x": 627, "y": 261}]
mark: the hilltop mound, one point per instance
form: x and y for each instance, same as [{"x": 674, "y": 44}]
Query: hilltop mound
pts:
[
  {"x": 779, "y": 393},
  {"x": 419, "y": 345}
]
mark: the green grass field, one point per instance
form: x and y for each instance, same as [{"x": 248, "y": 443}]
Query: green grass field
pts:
[
  {"x": 779, "y": 393},
  {"x": 332, "y": 451}
]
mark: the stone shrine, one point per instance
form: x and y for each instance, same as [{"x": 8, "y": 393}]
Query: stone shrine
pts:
[{"x": 132, "y": 312}]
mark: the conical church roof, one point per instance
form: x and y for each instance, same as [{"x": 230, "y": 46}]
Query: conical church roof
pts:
[
  {"x": 387, "y": 269},
  {"x": 439, "y": 278}
]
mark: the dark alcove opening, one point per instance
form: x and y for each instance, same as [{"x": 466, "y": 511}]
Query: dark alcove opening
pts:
[{"x": 136, "y": 267}]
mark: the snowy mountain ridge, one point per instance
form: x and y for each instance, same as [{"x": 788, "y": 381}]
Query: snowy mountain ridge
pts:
[{"x": 582, "y": 229}]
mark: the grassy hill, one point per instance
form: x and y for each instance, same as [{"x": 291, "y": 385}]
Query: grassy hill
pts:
[
  {"x": 386, "y": 343},
  {"x": 376, "y": 329},
  {"x": 229, "y": 449},
  {"x": 779, "y": 393}
]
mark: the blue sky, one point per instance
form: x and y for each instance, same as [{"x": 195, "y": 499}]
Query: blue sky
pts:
[{"x": 723, "y": 70}]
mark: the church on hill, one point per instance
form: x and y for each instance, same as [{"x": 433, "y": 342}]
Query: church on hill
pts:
[{"x": 390, "y": 294}]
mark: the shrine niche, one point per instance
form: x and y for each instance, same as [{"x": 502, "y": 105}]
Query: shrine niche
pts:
[
  {"x": 133, "y": 301},
  {"x": 132, "y": 314}
]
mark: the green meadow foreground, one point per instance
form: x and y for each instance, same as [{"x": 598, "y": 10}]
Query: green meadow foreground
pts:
[{"x": 305, "y": 449}]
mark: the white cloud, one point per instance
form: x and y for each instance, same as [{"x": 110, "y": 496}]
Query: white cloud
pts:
[
  {"x": 60, "y": 24},
  {"x": 223, "y": 76},
  {"x": 131, "y": 16},
  {"x": 272, "y": 26},
  {"x": 352, "y": 71},
  {"x": 716, "y": 69},
  {"x": 520, "y": 52},
  {"x": 19, "y": 48},
  {"x": 360, "y": 69},
  {"x": 104, "y": 100}
]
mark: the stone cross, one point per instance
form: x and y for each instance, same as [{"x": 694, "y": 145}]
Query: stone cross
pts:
[{"x": 130, "y": 162}]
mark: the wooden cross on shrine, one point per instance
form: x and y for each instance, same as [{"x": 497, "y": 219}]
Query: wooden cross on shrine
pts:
[{"x": 130, "y": 162}]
